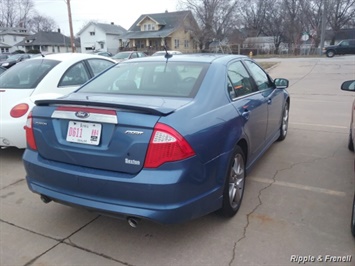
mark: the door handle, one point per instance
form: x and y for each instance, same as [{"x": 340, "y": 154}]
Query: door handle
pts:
[
  {"x": 246, "y": 114},
  {"x": 269, "y": 101}
]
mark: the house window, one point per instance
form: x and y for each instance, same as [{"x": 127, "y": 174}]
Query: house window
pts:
[
  {"x": 153, "y": 27},
  {"x": 177, "y": 43},
  {"x": 186, "y": 43},
  {"x": 102, "y": 45},
  {"x": 92, "y": 33},
  {"x": 149, "y": 27},
  {"x": 145, "y": 27}
]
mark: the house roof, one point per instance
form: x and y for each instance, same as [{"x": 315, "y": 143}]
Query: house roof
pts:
[
  {"x": 169, "y": 21},
  {"x": 4, "y": 45},
  {"x": 18, "y": 31},
  {"x": 47, "y": 38},
  {"x": 107, "y": 28}
]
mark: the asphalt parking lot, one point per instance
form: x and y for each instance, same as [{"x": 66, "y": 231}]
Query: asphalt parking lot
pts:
[{"x": 296, "y": 208}]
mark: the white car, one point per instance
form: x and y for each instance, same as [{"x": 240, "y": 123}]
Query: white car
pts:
[{"x": 45, "y": 77}]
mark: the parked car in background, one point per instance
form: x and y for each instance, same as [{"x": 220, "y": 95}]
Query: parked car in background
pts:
[
  {"x": 122, "y": 56},
  {"x": 103, "y": 53},
  {"x": 164, "y": 139},
  {"x": 342, "y": 48},
  {"x": 14, "y": 59},
  {"x": 2, "y": 70},
  {"x": 4, "y": 56},
  {"x": 41, "y": 77},
  {"x": 164, "y": 52},
  {"x": 350, "y": 86}
]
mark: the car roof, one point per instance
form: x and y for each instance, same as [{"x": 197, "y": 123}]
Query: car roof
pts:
[
  {"x": 66, "y": 56},
  {"x": 200, "y": 57}
]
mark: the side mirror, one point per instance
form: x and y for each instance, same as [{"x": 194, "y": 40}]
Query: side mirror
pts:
[
  {"x": 348, "y": 85},
  {"x": 281, "y": 83}
]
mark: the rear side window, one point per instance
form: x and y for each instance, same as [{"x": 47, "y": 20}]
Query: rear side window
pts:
[
  {"x": 99, "y": 65},
  {"x": 240, "y": 82},
  {"x": 27, "y": 75},
  {"x": 75, "y": 75},
  {"x": 176, "y": 79}
]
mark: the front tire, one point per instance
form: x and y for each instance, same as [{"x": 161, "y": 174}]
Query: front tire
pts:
[
  {"x": 330, "y": 53},
  {"x": 284, "y": 122},
  {"x": 234, "y": 184}
]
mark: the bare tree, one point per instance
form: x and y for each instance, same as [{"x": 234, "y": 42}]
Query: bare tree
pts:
[
  {"x": 216, "y": 18},
  {"x": 274, "y": 23},
  {"x": 253, "y": 13},
  {"x": 21, "y": 13},
  {"x": 41, "y": 23},
  {"x": 340, "y": 13}
]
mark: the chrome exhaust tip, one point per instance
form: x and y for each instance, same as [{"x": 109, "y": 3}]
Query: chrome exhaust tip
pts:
[{"x": 133, "y": 222}]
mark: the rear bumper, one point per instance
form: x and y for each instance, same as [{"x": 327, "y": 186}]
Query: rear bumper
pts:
[{"x": 183, "y": 192}]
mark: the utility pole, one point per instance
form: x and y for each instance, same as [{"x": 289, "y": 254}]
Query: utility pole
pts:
[
  {"x": 322, "y": 35},
  {"x": 72, "y": 42}
]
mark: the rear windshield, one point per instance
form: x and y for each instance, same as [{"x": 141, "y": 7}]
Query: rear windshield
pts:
[
  {"x": 176, "y": 79},
  {"x": 27, "y": 74}
]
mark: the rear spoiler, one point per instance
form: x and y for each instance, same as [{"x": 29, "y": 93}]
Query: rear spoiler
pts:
[{"x": 161, "y": 111}]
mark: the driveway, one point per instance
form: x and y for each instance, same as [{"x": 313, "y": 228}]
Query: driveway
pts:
[{"x": 296, "y": 208}]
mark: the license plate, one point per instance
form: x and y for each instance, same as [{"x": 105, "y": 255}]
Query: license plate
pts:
[{"x": 85, "y": 133}]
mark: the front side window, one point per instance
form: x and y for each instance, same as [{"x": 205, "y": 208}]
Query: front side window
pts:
[
  {"x": 240, "y": 82},
  {"x": 176, "y": 79},
  {"x": 74, "y": 76},
  {"x": 261, "y": 78}
]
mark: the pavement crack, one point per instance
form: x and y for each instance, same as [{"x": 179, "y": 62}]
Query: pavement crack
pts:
[
  {"x": 97, "y": 253},
  {"x": 244, "y": 235},
  {"x": 60, "y": 241},
  {"x": 14, "y": 183}
]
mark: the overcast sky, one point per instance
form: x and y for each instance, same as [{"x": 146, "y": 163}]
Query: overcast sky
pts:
[{"x": 123, "y": 13}]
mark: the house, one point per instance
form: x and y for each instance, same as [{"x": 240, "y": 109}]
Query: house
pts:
[
  {"x": 48, "y": 42},
  {"x": 10, "y": 36},
  {"x": 150, "y": 32},
  {"x": 263, "y": 44},
  {"x": 100, "y": 37}
]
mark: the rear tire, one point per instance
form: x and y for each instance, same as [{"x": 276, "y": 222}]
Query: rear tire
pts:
[
  {"x": 350, "y": 142},
  {"x": 234, "y": 183}
]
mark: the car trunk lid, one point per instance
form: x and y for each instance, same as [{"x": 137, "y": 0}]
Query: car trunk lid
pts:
[{"x": 103, "y": 132}]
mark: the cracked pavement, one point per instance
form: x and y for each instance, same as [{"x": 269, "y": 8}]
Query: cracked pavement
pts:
[{"x": 297, "y": 199}]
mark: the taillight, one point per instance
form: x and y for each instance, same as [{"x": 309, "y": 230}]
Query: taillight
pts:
[
  {"x": 19, "y": 110},
  {"x": 30, "y": 138},
  {"x": 166, "y": 145}
]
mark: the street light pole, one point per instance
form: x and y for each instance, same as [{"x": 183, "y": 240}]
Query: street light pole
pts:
[{"x": 72, "y": 43}]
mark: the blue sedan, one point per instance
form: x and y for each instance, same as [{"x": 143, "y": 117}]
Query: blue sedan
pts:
[{"x": 166, "y": 138}]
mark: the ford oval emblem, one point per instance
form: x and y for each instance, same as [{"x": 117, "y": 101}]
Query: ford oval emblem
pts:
[{"x": 82, "y": 114}]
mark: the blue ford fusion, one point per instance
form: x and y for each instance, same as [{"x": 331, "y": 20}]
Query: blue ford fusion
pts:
[{"x": 167, "y": 138}]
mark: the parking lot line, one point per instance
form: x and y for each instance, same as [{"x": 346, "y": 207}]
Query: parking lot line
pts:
[
  {"x": 317, "y": 125},
  {"x": 299, "y": 186}
]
